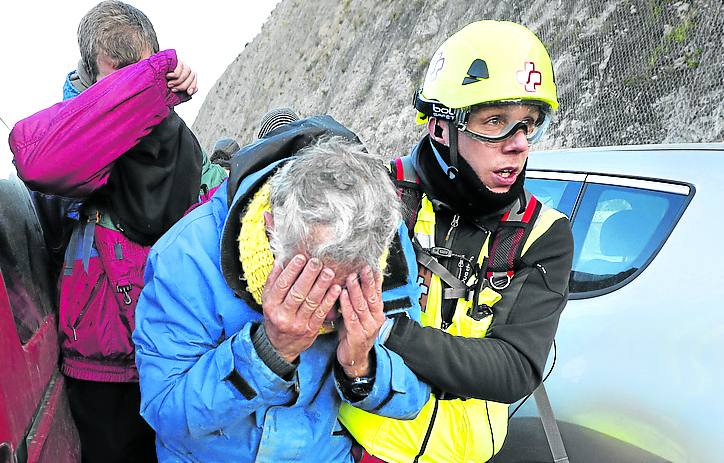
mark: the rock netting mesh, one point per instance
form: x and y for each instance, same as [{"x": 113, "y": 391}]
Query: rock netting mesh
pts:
[{"x": 628, "y": 71}]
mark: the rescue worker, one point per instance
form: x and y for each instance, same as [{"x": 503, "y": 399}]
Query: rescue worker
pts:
[{"x": 493, "y": 262}]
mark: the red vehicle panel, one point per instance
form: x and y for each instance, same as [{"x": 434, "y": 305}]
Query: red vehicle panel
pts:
[{"x": 35, "y": 421}]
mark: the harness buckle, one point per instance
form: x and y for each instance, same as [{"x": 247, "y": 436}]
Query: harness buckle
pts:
[
  {"x": 499, "y": 280},
  {"x": 440, "y": 251},
  {"x": 471, "y": 294},
  {"x": 478, "y": 312},
  {"x": 95, "y": 218}
]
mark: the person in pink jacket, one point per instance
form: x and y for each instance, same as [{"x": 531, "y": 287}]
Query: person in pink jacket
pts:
[{"x": 120, "y": 148}]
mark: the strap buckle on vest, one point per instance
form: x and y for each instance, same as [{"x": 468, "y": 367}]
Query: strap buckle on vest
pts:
[
  {"x": 94, "y": 218},
  {"x": 439, "y": 251},
  {"x": 457, "y": 293},
  {"x": 457, "y": 288},
  {"x": 125, "y": 289},
  {"x": 478, "y": 312},
  {"x": 500, "y": 280}
]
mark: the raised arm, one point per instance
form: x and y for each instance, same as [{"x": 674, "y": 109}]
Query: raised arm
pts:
[
  {"x": 69, "y": 148},
  {"x": 508, "y": 363}
]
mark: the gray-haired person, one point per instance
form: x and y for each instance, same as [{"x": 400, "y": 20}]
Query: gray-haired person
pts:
[{"x": 262, "y": 308}]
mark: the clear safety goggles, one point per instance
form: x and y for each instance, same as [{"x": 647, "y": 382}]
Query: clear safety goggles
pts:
[{"x": 497, "y": 128}]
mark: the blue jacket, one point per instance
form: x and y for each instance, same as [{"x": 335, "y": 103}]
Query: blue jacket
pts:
[{"x": 205, "y": 391}]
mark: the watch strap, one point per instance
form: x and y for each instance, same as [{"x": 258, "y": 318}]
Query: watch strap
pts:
[{"x": 353, "y": 389}]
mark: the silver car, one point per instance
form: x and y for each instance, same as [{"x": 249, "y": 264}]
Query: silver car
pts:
[{"x": 639, "y": 359}]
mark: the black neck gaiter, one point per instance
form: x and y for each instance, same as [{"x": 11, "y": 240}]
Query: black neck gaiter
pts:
[
  {"x": 155, "y": 182},
  {"x": 466, "y": 194}
]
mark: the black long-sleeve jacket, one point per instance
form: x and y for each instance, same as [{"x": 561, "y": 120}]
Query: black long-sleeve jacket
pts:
[{"x": 508, "y": 363}]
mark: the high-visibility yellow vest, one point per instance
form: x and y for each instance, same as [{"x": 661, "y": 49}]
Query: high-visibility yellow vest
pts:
[{"x": 453, "y": 430}]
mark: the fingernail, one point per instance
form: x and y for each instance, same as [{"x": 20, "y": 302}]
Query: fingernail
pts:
[
  {"x": 336, "y": 290},
  {"x": 328, "y": 273},
  {"x": 315, "y": 264},
  {"x": 298, "y": 259},
  {"x": 352, "y": 278}
]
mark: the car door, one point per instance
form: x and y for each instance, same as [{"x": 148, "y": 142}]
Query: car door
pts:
[
  {"x": 619, "y": 226},
  {"x": 35, "y": 421}
]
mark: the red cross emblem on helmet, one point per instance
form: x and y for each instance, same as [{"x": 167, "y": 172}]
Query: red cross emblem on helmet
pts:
[{"x": 529, "y": 77}]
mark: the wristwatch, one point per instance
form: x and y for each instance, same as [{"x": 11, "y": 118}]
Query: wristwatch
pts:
[
  {"x": 354, "y": 389},
  {"x": 361, "y": 386}
]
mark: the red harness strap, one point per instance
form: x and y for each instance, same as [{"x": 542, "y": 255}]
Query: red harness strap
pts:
[
  {"x": 408, "y": 189},
  {"x": 367, "y": 458},
  {"x": 360, "y": 455},
  {"x": 507, "y": 242}
]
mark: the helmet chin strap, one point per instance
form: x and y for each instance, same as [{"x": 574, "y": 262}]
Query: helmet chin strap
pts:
[
  {"x": 441, "y": 162},
  {"x": 451, "y": 170}
]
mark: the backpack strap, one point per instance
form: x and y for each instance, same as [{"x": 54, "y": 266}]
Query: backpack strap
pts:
[
  {"x": 83, "y": 236},
  {"x": 71, "y": 249},
  {"x": 457, "y": 287},
  {"x": 508, "y": 239},
  {"x": 506, "y": 243},
  {"x": 409, "y": 190},
  {"x": 407, "y": 182}
]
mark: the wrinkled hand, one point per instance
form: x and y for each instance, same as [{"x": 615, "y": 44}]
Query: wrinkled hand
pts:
[
  {"x": 182, "y": 79},
  {"x": 361, "y": 304},
  {"x": 295, "y": 301}
]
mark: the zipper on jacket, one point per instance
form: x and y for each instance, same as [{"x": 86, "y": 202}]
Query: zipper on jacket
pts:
[
  {"x": 544, "y": 274},
  {"x": 453, "y": 225},
  {"x": 429, "y": 431},
  {"x": 447, "y": 315},
  {"x": 94, "y": 291}
]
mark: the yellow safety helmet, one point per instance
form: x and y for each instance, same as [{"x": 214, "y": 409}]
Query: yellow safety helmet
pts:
[{"x": 486, "y": 62}]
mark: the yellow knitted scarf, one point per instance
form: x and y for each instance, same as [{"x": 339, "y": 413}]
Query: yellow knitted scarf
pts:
[{"x": 255, "y": 253}]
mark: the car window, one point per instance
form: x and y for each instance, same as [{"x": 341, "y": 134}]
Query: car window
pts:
[
  {"x": 617, "y": 230},
  {"x": 558, "y": 194},
  {"x": 24, "y": 264}
]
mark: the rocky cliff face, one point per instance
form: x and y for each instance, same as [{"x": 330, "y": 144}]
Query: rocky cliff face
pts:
[{"x": 628, "y": 71}]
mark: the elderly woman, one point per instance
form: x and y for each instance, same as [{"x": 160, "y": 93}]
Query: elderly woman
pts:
[{"x": 262, "y": 308}]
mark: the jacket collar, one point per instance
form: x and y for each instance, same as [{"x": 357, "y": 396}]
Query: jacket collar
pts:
[{"x": 251, "y": 166}]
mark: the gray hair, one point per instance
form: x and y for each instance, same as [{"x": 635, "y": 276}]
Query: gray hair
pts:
[
  {"x": 116, "y": 30},
  {"x": 336, "y": 202}
]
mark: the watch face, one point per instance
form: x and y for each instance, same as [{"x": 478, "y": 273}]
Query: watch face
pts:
[
  {"x": 361, "y": 386},
  {"x": 361, "y": 389}
]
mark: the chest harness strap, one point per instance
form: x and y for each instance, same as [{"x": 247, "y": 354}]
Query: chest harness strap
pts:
[{"x": 506, "y": 242}]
